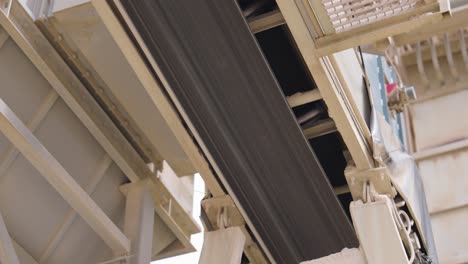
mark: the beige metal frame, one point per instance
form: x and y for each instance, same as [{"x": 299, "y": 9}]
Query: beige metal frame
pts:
[
  {"x": 164, "y": 104},
  {"x": 20, "y": 27}
]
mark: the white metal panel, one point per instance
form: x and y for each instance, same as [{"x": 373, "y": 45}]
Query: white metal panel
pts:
[
  {"x": 223, "y": 246},
  {"x": 22, "y": 86},
  {"x": 347, "y": 62},
  {"x": 441, "y": 120},
  {"x": 95, "y": 43},
  {"x": 377, "y": 232},
  {"x": 33, "y": 209},
  {"x": 445, "y": 180},
  {"x": 451, "y": 235},
  {"x": 70, "y": 142},
  {"x": 177, "y": 186},
  {"x": 107, "y": 196}
]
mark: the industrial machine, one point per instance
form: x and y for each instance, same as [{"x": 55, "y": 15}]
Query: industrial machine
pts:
[{"x": 307, "y": 121}]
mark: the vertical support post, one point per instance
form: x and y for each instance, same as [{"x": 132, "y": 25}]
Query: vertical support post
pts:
[
  {"x": 139, "y": 220},
  {"x": 223, "y": 246},
  {"x": 7, "y": 251},
  {"x": 420, "y": 62}
]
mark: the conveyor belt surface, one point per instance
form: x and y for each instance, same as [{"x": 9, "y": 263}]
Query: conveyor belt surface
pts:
[{"x": 216, "y": 70}]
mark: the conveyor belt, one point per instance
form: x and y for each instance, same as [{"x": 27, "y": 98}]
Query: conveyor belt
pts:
[{"x": 218, "y": 74}]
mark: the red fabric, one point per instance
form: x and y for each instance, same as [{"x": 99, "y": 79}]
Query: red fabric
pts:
[{"x": 391, "y": 87}]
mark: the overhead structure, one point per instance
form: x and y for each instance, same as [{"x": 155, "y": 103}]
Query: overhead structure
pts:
[
  {"x": 433, "y": 60},
  {"x": 230, "y": 105},
  {"x": 111, "y": 107},
  {"x": 71, "y": 156}
]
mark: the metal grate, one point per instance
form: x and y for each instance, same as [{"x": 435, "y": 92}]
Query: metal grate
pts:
[{"x": 348, "y": 14}]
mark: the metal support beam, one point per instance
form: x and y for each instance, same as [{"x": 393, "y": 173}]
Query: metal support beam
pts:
[
  {"x": 341, "y": 189},
  {"x": 71, "y": 215},
  {"x": 61, "y": 180},
  {"x": 298, "y": 99},
  {"x": 42, "y": 54},
  {"x": 328, "y": 85},
  {"x": 441, "y": 150},
  {"x": 330, "y": 45},
  {"x": 449, "y": 56},
  {"x": 223, "y": 246},
  {"x": 449, "y": 23},
  {"x": 435, "y": 61},
  {"x": 7, "y": 251},
  {"x": 157, "y": 95},
  {"x": 215, "y": 206},
  {"x": 139, "y": 219},
  {"x": 420, "y": 63},
  {"x": 32, "y": 124},
  {"x": 326, "y": 26},
  {"x": 319, "y": 129},
  {"x": 266, "y": 21}
]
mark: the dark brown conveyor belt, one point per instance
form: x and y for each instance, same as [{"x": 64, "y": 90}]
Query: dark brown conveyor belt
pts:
[{"x": 218, "y": 74}]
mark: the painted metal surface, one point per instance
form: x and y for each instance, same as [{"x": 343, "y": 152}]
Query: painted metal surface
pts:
[
  {"x": 25, "y": 91},
  {"x": 446, "y": 181},
  {"x": 440, "y": 121},
  {"x": 86, "y": 36},
  {"x": 377, "y": 231},
  {"x": 43, "y": 226},
  {"x": 245, "y": 124}
]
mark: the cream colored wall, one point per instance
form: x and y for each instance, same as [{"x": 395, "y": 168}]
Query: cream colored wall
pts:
[{"x": 440, "y": 126}]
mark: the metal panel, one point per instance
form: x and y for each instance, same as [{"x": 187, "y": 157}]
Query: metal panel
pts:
[
  {"x": 378, "y": 232},
  {"x": 86, "y": 36},
  {"x": 440, "y": 121},
  {"x": 42, "y": 224},
  {"x": 445, "y": 179},
  {"x": 451, "y": 236},
  {"x": 218, "y": 75}
]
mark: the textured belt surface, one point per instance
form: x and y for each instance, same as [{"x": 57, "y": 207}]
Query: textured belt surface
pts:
[{"x": 222, "y": 81}]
